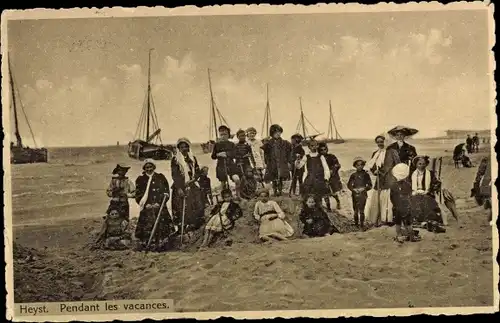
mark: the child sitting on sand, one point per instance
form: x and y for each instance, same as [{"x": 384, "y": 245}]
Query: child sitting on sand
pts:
[
  {"x": 359, "y": 184},
  {"x": 114, "y": 234},
  {"x": 222, "y": 218},
  {"x": 315, "y": 220},
  {"x": 206, "y": 186},
  {"x": 271, "y": 219},
  {"x": 401, "y": 194},
  {"x": 248, "y": 185}
]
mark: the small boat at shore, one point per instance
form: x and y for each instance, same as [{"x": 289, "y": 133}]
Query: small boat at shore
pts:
[
  {"x": 331, "y": 128},
  {"x": 302, "y": 127},
  {"x": 148, "y": 143},
  {"x": 19, "y": 153}
]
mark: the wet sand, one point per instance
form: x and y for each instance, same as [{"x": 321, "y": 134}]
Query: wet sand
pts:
[{"x": 352, "y": 270}]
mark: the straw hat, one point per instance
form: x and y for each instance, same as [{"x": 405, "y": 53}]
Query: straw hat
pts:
[
  {"x": 401, "y": 171},
  {"x": 357, "y": 159},
  {"x": 418, "y": 157}
]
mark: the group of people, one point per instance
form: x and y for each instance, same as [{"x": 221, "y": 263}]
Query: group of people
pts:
[
  {"x": 472, "y": 143},
  {"x": 404, "y": 187}
]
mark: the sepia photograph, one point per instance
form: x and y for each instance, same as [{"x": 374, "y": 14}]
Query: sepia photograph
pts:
[{"x": 237, "y": 159}]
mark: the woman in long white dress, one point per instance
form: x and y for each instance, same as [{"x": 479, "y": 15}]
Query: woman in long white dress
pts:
[
  {"x": 379, "y": 207},
  {"x": 271, "y": 219}
]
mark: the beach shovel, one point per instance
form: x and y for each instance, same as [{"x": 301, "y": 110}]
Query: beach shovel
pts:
[{"x": 155, "y": 227}]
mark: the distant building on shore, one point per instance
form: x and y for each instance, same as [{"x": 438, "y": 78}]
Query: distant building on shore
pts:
[{"x": 462, "y": 134}]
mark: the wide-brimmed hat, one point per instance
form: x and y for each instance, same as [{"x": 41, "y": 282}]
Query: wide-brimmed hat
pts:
[
  {"x": 380, "y": 137},
  {"x": 275, "y": 128},
  {"x": 119, "y": 167},
  {"x": 148, "y": 162},
  {"x": 416, "y": 158},
  {"x": 401, "y": 171},
  {"x": 406, "y": 131},
  {"x": 263, "y": 190},
  {"x": 183, "y": 140},
  {"x": 357, "y": 159}
]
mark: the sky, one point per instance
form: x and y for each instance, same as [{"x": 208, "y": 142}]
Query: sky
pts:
[{"x": 82, "y": 82}]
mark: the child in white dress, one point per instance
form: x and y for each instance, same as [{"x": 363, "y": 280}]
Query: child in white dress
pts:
[{"x": 271, "y": 219}]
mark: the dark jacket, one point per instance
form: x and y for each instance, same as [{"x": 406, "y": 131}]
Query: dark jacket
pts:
[
  {"x": 360, "y": 180},
  {"x": 406, "y": 153},
  {"x": 159, "y": 186}
]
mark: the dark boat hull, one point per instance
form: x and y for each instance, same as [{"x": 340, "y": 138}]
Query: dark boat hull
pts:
[
  {"x": 142, "y": 150},
  {"x": 25, "y": 155}
]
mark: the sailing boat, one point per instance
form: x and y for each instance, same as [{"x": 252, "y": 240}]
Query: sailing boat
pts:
[
  {"x": 215, "y": 115},
  {"x": 20, "y": 154},
  {"x": 331, "y": 127},
  {"x": 148, "y": 142},
  {"x": 302, "y": 127},
  {"x": 267, "y": 122}
]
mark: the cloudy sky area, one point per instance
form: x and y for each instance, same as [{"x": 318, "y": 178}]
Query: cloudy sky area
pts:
[{"x": 83, "y": 81}]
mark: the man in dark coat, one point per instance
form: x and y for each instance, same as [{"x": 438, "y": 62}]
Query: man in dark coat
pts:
[
  {"x": 152, "y": 190},
  {"x": 278, "y": 154}
]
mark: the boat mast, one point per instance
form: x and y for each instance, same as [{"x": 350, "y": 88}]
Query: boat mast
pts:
[
  {"x": 16, "y": 121},
  {"x": 149, "y": 94},
  {"x": 302, "y": 118},
  {"x": 212, "y": 105},
  {"x": 332, "y": 122},
  {"x": 267, "y": 114}
]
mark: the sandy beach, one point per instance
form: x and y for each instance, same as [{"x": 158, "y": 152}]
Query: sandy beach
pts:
[{"x": 58, "y": 206}]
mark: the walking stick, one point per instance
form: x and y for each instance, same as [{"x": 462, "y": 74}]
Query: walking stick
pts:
[
  {"x": 379, "y": 207},
  {"x": 439, "y": 178},
  {"x": 183, "y": 216},
  {"x": 155, "y": 227}
]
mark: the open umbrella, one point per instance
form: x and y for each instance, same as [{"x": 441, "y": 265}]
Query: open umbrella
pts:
[{"x": 407, "y": 131}]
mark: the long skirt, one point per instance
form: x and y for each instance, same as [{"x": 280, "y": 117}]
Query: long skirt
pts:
[
  {"x": 316, "y": 186},
  {"x": 425, "y": 208},
  {"x": 335, "y": 183},
  {"x": 372, "y": 206},
  {"x": 269, "y": 227},
  {"x": 195, "y": 208},
  {"x": 318, "y": 228},
  {"x": 146, "y": 222}
]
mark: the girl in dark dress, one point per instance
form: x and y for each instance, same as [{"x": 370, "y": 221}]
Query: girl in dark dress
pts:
[
  {"x": 224, "y": 152},
  {"x": 335, "y": 184},
  {"x": 206, "y": 186},
  {"x": 152, "y": 190},
  {"x": 297, "y": 154},
  {"x": 315, "y": 220},
  {"x": 424, "y": 185},
  {"x": 187, "y": 196},
  {"x": 318, "y": 173},
  {"x": 278, "y": 154}
]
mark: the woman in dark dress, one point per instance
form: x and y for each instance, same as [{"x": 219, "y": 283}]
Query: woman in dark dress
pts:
[
  {"x": 187, "y": 196},
  {"x": 152, "y": 190},
  {"x": 405, "y": 151}
]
